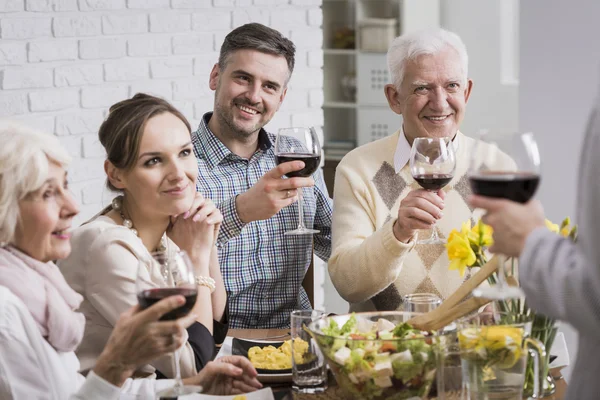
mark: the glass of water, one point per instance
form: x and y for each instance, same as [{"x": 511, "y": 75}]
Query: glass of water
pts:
[
  {"x": 309, "y": 369},
  {"x": 421, "y": 302}
]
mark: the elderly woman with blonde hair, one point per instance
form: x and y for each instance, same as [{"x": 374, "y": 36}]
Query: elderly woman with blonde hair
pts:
[{"x": 39, "y": 325}]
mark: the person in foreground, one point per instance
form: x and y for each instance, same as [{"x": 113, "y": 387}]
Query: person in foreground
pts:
[
  {"x": 263, "y": 269},
  {"x": 150, "y": 161},
  {"x": 561, "y": 279},
  {"x": 379, "y": 208},
  {"x": 39, "y": 325}
]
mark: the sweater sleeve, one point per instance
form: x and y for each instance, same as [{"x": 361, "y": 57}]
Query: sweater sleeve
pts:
[
  {"x": 560, "y": 282},
  {"x": 364, "y": 260}
]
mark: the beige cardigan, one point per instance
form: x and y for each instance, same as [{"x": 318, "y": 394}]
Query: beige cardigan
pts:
[
  {"x": 102, "y": 267},
  {"x": 369, "y": 267}
]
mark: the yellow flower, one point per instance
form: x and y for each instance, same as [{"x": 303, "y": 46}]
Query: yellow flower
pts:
[
  {"x": 553, "y": 227},
  {"x": 483, "y": 233},
  {"x": 459, "y": 250},
  {"x": 468, "y": 234}
]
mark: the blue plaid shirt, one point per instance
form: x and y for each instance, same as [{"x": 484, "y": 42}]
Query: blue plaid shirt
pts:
[{"x": 262, "y": 269}]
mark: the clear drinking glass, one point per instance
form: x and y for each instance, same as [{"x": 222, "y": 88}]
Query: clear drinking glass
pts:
[
  {"x": 449, "y": 376},
  {"x": 432, "y": 165},
  {"x": 299, "y": 144},
  {"x": 507, "y": 166},
  {"x": 494, "y": 349},
  {"x": 162, "y": 275},
  {"x": 309, "y": 369},
  {"x": 421, "y": 302}
]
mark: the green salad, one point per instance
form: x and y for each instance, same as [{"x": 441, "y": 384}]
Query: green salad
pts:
[{"x": 380, "y": 360}]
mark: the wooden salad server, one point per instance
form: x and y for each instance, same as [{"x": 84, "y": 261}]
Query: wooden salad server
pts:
[{"x": 450, "y": 309}]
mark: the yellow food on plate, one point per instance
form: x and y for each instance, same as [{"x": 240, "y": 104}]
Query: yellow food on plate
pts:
[
  {"x": 240, "y": 397},
  {"x": 271, "y": 357}
]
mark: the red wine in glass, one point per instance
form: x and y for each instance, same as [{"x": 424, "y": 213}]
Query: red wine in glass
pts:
[
  {"x": 432, "y": 166},
  {"x": 433, "y": 182},
  {"x": 299, "y": 144},
  {"x": 504, "y": 165},
  {"x": 311, "y": 163},
  {"x": 519, "y": 187},
  {"x": 162, "y": 275},
  {"x": 149, "y": 297}
]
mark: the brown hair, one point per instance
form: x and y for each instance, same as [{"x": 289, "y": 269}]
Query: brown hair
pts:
[
  {"x": 121, "y": 132},
  {"x": 255, "y": 36}
]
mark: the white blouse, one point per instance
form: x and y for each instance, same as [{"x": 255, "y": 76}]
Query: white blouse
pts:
[
  {"x": 32, "y": 369},
  {"x": 102, "y": 267}
]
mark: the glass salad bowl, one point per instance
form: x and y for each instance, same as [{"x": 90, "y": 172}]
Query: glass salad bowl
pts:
[{"x": 378, "y": 356}]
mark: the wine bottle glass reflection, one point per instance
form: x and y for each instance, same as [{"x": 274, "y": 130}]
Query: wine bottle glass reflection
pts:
[
  {"x": 299, "y": 144},
  {"x": 432, "y": 165},
  {"x": 504, "y": 166},
  {"x": 163, "y": 275}
]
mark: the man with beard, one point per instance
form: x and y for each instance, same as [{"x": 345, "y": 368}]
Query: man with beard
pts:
[{"x": 262, "y": 269}]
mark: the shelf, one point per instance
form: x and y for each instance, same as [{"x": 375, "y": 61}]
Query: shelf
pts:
[
  {"x": 346, "y": 52},
  {"x": 339, "y": 104}
]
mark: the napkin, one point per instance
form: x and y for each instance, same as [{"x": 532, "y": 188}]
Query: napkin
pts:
[
  {"x": 559, "y": 349},
  {"x": 225, "y": 347},
  {"x": 262, "y": 394}
]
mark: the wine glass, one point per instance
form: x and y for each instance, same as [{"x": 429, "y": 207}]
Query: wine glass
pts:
[
  {"x": 507, "y": 166},
  {"x": 432, "y": 165},
  {"x": 299, "y": 144},
  {"x": 162, "y": 275}
]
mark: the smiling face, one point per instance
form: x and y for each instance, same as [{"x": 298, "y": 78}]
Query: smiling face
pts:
[
  {"x": 45, "y": 218},
  {"x": 433, "y": 95},
  {"x": 249, "y": 91},
  {"x": 162, "y": 181}
]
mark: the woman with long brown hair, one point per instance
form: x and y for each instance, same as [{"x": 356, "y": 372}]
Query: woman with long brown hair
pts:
[{"x": 150, "y": 162}]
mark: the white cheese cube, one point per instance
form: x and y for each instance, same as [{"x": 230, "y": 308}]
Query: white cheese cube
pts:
[
  {"x": 384, "y": 368},
  {"x": 384, "y": 325},
  {"x": 404, "y": 356},
  {"x": 383, "y": 381},
  {"x": 424, "y": 356},
  {"x": 342, "y": 355}
]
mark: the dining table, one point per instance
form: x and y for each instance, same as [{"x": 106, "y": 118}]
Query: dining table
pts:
[{"x": 334, "y": 392}]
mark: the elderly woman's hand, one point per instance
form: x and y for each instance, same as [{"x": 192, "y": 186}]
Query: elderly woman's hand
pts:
[
  {"x": 226, "y": 376},
  {"x": 512, "y": 222},
  {"x": 139, "y": 337}
]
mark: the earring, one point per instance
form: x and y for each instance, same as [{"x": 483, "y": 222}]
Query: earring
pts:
[{"x": 116, "y": 203}]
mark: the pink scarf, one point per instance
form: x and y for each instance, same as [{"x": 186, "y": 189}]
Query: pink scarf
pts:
[{"x": 49, "y": 298}]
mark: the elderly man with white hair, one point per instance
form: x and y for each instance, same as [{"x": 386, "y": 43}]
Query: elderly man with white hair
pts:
[{"x": 378, "y": 206}]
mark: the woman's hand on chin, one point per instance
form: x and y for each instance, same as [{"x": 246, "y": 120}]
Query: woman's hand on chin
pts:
[{"x": 196, "y": 230}]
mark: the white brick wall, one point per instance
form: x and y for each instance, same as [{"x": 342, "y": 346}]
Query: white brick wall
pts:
[{"x": 64, "y": 62}]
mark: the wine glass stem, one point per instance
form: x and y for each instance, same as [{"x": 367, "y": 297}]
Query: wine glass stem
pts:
[
  {"x": 300, "y": 210},
  {"x": 178, "y": 381},
  {"x": 501, "y": 271},
  {"x": 434, "y": 234}
]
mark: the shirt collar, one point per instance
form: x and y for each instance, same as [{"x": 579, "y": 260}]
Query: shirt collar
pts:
[
  {"x": 214, "y": 150},
  {"x": 402, "y": 154}
]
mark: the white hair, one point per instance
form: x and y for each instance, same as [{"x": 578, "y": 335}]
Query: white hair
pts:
[
  {"x": 25, "y": 154},
  {"x": 411, "y": 45}
]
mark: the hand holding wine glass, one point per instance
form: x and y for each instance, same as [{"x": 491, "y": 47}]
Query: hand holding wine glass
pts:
[
  {"x": 139, "y": 337},
  {"x": 432, "y": 165},
  {"x": 299, "y": 144},
  {"x": 515, "y": 177},
  {"x": 167, "y": 274}
]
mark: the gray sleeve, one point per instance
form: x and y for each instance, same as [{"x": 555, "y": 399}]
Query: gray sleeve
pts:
[{"x": 560, "y": 282}]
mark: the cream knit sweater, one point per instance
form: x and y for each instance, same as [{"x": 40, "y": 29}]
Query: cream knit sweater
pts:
[{"x": 369, "y": 267}]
